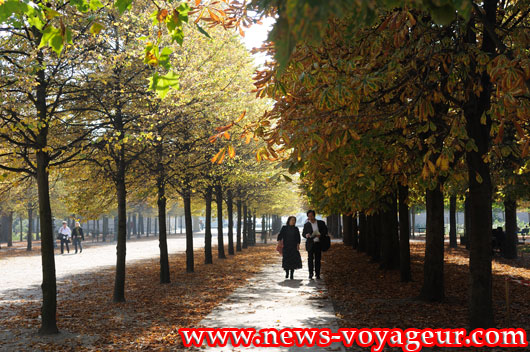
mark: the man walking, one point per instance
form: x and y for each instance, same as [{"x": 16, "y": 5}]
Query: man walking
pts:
[
  {"x": 65, "y": 233},
  {"x": 77, "y": 237},
  {"x": 313, "y": 231}
]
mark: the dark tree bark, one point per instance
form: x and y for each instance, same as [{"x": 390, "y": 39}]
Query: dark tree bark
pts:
[
  {"x": 129, "y": 226},
  {"x": 355, "y": 232},
  {"x": 49, "y": 286},
  {"x": 413, "y": 221},
  {"x": 230, "y": 209},
  {"x": 10, "y": 230},
  {"x": 245, "y": 226},
  {"x": 347, "y": 237},
  {"x": 21, "y": 231},
  {"x": 433, "y": 272},
  {"x": 263, "y": 233},
  {"x": 238, "y": 236},
  {"x": 467, "y": 222},
  {"x": 220, "y": 241},
  {"x": 121, "y": 247},
  {"x": 30, "y": 228},
  {"x": 162, "y": 238},
  {"x": 254, "y": 228},
  {"x": 509, "y": 247},
  {"x": 363, "y": 229},
  {"x": 452, "y": 222},
  {"x": 135, "y": 226},
  {"x": 480, "y": 186},
  {"x": 37, "y": 228},
  {"x": 208, "y": 257},
  {"x": 105, "y": 228},
  {"x": 189, "y": 231},
  {"x": 404, "y": 234},
  {"x": 389, "y": 243}
]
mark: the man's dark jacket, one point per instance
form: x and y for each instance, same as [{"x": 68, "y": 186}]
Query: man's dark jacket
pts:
[{"x": 308, "y": 229}]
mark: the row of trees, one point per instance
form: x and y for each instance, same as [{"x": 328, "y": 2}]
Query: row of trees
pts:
[
  {"x": 375, "y": 117},
  {"x": 87, "y": 120}
]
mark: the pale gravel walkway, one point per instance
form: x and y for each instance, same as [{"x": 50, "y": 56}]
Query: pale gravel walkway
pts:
[
  {"x": 271, "y": 301},
  {"x": 21, "y": 277}
]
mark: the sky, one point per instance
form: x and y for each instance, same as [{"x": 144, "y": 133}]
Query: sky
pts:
[{"x": 256, "y": 35}]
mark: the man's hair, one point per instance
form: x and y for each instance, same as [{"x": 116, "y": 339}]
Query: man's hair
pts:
[
  {"x": 64, "y": 222},
  {"x": 311, "y": 211}
]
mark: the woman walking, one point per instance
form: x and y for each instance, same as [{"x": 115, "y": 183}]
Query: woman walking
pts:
[{"x": 291, "y": 245}]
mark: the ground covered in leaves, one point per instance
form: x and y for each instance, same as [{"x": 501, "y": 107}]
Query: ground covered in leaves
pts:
[
  {"x": 366, "y": 297},
  {"x": 152, "y": 315}
]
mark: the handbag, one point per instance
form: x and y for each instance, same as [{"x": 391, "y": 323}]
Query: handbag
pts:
[{"x": 279, "y": 247}]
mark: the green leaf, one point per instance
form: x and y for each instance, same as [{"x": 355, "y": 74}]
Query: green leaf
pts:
[
  {"x": 123, "y": 5},
  {"x": 81, "y": 5},
  {"x": 178, "y": 36},
  {"x": 57, "y": 43},
  {"x": 164, "y": 58},
  {"x": 162, "y": 84},
  {"x": 95, "y": 4},
  {"x": 203, "y": 31},
  {"x": 96, "y": 28},
  {"x": 183, "y": 10}
]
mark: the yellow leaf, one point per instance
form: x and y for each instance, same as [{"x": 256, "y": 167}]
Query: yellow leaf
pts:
[
  {"x": 241, "y": 116},
  {"x": 231, "y": 152},
  {"x": 431, "y": 166}
]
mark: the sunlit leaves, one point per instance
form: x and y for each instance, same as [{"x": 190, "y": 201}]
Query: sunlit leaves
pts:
[
  {"x": 123, "y": 5},
  {"x": 162, "y": 83}
]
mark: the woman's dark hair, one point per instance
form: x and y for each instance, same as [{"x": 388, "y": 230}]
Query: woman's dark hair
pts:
[
  {"x": 289, "y": 219},
  {"x": 311, "y": 211}
]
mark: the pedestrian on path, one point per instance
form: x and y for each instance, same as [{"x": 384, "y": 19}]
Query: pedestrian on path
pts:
[
  {"x": 78, "y": 236},
  {"x": 313, "y": 231},
  {"x": 65, "y": 234},
  {"x": 291, "y": 247}
]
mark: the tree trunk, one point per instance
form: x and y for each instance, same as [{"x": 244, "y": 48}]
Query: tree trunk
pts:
[
  {"x": 135, "y": 226},
  {"x": 355, "y": 231},
  {"x": 480, "y": 187},
  {"x": 49, "y": 285},
  {"x": 105, "y": 228},
  {"x": 230, "y": 209},
  {"x": 30, "y": 228},
  {"x": 452, "y": 222},
  {"x": 254, "y": 228},
  {"x": 208, "y": 257},
  {"x": 363, "y": 228},
  {"x": 389, "y": 243},
  {"x": 189, "y": 232},
  {"x": 10, "y": 230},
  {"x": 165, "y": 277},
  {"x": 404, "y": 234},
  {"x": 238, "y": 236},
  {"x": 347, "y": 237},
  {"x": 220, "y": 241},
  {"x": 509, "y": 247},
  {"x": 413, "y": 220},
  {"x": 121, "y": 247},
  {"x": 21, "y": 232},
  {"x": 433, "y": 272},
  {"x": 37, "y": 229},
  {"x": 245, "y": 226}
]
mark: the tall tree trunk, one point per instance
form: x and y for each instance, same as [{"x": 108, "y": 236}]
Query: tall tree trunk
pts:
[
  {"x": 363, "y": 228},
  {"x": 347, "y": 238},
  {"x": 355, "y": 231},
  {"x": 37, "y": 228},
  {"x": 238, "y": 236},
  {"x": 433, "y": 272},
  {"x": 135, "y": 226},
  {"x": 162, "y": 239},
  {"x": 413, "y": 220},
  {"x": 30, "y": 228},
  {"x": 467, "y": 221},
  {"x": 10, "y": 230},
  {"x": 129, "y": 226},
  {"x": 105, "y": 228},
  {"x": 220, "y": 241},
  {"x": 49, "y": 288},
  {"x": 452, "y": 222},
  {"x": 509, "y": 247},
  {"x": 404, "y": 234},
  {"x": 254, "y": 228},
  {"x": 245, "y": 226},
  {"x": 189, "y": 232},
  {"x": 208, "y": 257},
  {"x": 121, "y": 247},
  {"x": 480, "y": 186},
  {"x": 389, "y": 243},
  {"x": 263, "y": 233},
  {"x": 230, "y": 209},
  {"x": 21, "y": 231}
]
